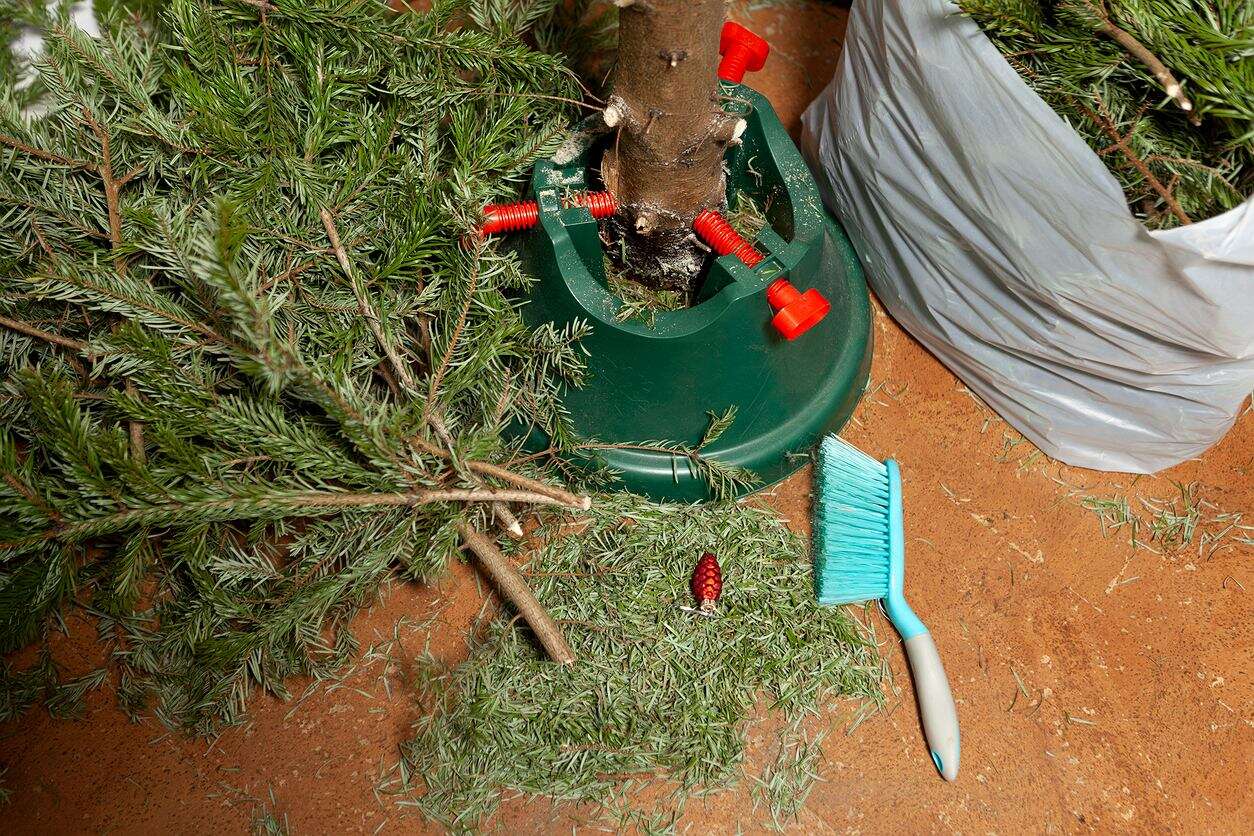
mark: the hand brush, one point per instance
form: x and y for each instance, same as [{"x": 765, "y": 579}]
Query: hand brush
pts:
[{"x": 859, "y": 555}]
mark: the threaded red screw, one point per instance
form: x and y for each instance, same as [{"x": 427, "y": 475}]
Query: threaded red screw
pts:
[
  {"x": 795, "y": 312},
  {"x": 600, "y": 204},
  {"x": 742, "y": 52},
  {"x": 509, "y": 217},
  {"x": 524, "y": 214},
  {"x": 714, "y": 230}
]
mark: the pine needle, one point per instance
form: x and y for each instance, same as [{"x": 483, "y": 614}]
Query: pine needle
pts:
[{"x": 657, "y": 693}]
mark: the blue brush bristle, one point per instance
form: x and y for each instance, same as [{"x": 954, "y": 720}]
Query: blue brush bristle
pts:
[{"x": 851, "y": 548}]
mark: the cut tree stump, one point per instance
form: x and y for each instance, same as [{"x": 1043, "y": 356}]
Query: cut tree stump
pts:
[{"x": 664, "y": 162}]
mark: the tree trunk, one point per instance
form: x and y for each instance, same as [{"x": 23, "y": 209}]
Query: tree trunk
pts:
[{"x": 665, "y": 161}]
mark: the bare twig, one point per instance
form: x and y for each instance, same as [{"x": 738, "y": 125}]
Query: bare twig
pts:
[
  {"x": 1141, "y": 53},
  {"x": 514, "y": 588},
  {"x": 506, "y": 519},
  {"x": 312, "y": 501},
  {"x": 562, "y": 496},
  {"x": 46, "y": 336},
  {"x": 363, "y": 303},
  {"x": 500, "y": 511},
  {"x": 1104, "y": 121}
]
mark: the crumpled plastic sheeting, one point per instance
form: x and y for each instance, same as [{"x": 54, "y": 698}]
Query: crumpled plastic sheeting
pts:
[{"x": 995, "y": 235}]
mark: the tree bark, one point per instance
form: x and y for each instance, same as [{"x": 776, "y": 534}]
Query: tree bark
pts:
[
  {"x": 516, "y": 591},
  {"x": 665, "y": 160}
]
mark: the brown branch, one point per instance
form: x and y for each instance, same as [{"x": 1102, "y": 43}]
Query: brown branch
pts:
[
  {"x": 506, "y": 520},
  {"x": 513, "y": 587},
  {"x": 441, "y": 430},
  {"x": 438, "y": 377},
  {"x": 46, "y": 336},
  {"x": 46, "y": 156},
  {"x": 1142, "y": 53},
  {"x": 562, "y": 496},
  {"x": 112, "y": 190},
  {"x": 381, "y": 368},
  {"x": 43, "y": 243},
  {"x": 290, "y": 273},
  {"x": 31, "y": 497},
  {"x": 1104, "y": 121},
  {"x": 136, "y": 428},
  {"x": 368, "y": 312},
  {"x": 111, "y": 185},
  {"x": 131, "y": 175},
  {"x": 309, "y": 501},
  {"x": 500, "y": 511}
]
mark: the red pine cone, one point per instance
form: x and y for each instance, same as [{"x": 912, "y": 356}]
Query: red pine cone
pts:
[{"x": 707, "y": 582}]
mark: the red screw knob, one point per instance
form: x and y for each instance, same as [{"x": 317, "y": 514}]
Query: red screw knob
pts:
[
  {"x": 714, "y": 230},
  {"x": 509, "y": 217},
  {"x": 512, "y": 217},
  {"x": 742, "y": 52},
  {"x": 600, "y": 204},
  {"x": 707, "y": 582},
  {"x": 795, "y": 312}
]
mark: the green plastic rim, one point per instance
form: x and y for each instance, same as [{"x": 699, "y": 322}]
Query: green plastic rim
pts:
[{"x": 663, "y": 380}]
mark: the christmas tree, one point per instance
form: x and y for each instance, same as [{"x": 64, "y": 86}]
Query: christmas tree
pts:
[{"x": 1163, "y": 91}]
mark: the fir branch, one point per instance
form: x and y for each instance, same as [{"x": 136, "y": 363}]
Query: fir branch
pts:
[
  {"x": 1102, "y": 120},
  {"x": 261, "y": 505},
  {"x": 49, "y": 156},
  {"x": 1138, "y": 50},
  {"x": 559, "y": 495},
  {"x": 438, "y": 377},
  {"x": 47, "y": 336},
  {"x": 1066, "y": 55},
  {"x": 159, "y": 227},
  {"x": 363, "y": 304}
]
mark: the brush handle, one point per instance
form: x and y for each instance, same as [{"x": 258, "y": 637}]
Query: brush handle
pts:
[{"x": 936, "y": 703}]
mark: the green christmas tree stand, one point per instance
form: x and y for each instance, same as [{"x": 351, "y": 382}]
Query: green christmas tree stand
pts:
[{"x": 662, "y": 381}]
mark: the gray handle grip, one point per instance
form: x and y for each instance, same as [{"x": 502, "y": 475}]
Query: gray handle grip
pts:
[{"x": 936, "y": 703}]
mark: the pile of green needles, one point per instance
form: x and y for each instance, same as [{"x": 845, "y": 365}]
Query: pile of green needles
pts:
[
  {"x": 1160, "y": 89},
  {"x": 659, "y": 693}
]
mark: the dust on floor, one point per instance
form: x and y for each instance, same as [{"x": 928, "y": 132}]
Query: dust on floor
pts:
[{"x": 1099, "y": 685}]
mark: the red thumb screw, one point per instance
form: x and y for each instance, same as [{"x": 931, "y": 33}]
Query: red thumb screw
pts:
[
  {"x": 512, "y": 217},
  {"x": 795, "y": 312},
  {"x": 714, "y": 230},
  {"x": 742, "y": 52},
  {"x": 509, "y": 217}
]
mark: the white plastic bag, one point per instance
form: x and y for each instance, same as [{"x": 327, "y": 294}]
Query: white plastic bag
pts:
[{"x": 995, "y": 235}]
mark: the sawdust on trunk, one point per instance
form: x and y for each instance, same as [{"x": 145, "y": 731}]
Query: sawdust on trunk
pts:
[{"x": 664, "y": 162}]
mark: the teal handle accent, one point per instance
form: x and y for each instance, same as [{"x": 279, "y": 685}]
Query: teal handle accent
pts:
[
  {"x": 899, "y": 613},
  {"x": 931, "y": 685}
]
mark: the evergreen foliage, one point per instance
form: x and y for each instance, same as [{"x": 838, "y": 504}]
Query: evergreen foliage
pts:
[
  {"x": 220, "y": 432},
  {"x": 659, "y": 694},
  {"x": 1201, "y": 158}
]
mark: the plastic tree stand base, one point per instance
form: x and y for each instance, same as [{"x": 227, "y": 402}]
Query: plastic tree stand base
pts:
[{"x": 661, "y": 382}]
